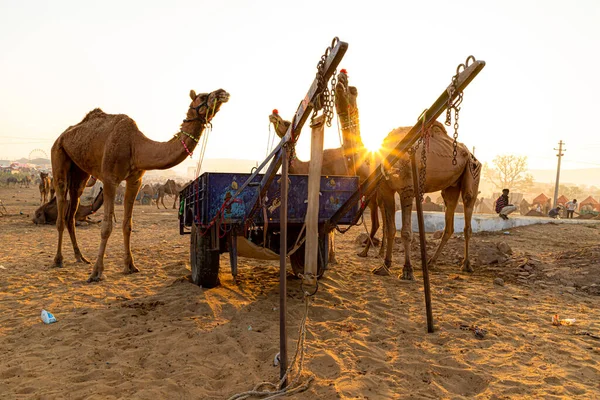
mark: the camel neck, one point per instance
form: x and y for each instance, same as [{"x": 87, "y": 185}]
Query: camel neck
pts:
[{"x": 151, "y": 155}]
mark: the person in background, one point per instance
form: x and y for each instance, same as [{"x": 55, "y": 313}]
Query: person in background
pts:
[
  {"x": 571, "y": 207},
  {"x": 503, "y": 208},
  {"x": 555, "y": 212}
]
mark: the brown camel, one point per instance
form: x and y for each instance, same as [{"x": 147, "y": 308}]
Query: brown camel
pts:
[
  {"x": 112, "y": 149},
  {"x": 45, "y": 185},
  {"x": 47, "y": 213},
  {"x": 171, "y": 188},
  {"x": 454, "y": 181}
]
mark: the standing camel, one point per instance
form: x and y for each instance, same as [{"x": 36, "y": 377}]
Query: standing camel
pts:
[
  {"x": 45, "y": 185},
  {"x": 171, "y": 188},
  {"x": 454, "y": 181},
  {"x": 112, "y": 149}
]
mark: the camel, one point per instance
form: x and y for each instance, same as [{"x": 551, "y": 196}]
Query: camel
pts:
[
  {"x": 47, "y": 213},
  {"x": 112, "y": 149},
  {"x": 11, "y": 179},
  {"x": 454, "y": 181},
  {"x": 25, "y": 181},
  {"x": 45, "y": 185},
  {"x": 171, "y": 188},
  {"x": 146, "y": 192}
]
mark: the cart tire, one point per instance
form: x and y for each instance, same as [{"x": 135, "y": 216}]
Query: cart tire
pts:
[
  {"x": 204, "y": 260},
  {"x": 297, "y": 259}
]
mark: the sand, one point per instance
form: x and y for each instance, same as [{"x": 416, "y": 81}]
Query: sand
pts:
[{"x": 154, "y": 335}]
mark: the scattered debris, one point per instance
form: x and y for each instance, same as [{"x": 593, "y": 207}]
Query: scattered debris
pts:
[
  {"x": 590, "y": 334},
  {"x": 47, "y": 317},
  {"x": 499, "y": 281},
  {"x": 504, "y": 248},
  {"x": 477, "y": 331},
  {"x": 556, "y": 321}
]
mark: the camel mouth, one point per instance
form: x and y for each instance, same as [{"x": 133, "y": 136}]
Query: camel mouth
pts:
[{"x": 222, "y": 96}]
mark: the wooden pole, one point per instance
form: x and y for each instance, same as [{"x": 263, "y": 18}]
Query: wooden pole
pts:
[
  {"x": 282, "y": 270},
  {"x": 311, "y": 251},
  {"x": 426, "y": 288}
]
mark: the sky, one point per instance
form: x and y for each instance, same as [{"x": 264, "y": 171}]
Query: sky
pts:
[{"x": 61, "y": 59}]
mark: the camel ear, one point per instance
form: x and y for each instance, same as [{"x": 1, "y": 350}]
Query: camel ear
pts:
[{"x": 193, "y": 94}]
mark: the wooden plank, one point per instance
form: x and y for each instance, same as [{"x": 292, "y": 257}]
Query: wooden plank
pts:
[{"x": 311, "y": 249}]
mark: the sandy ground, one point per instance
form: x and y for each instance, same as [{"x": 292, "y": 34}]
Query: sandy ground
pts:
[{"x": 155, "y": 335}]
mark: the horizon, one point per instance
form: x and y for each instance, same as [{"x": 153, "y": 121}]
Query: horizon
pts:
[{"x": 525, "y": 100}]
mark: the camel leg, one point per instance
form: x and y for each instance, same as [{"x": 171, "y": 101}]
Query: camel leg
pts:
[
  {"x": 383, "y": 246},
  {"x": 162, "y": 200},
  {"x": 406, "y": 234},
  {"x": 131, "y": 190},
  {"x": 175, "y": 200},
  {"x": 109, "y": 210},
  {"x": 372, "y": 206},
  {"x": 61, "y": 164},
  {"x": 389, "y": 230},
  {"x": 469, "y": 191},
  {"x": 450, "y": 196},
  {"x": 158, "y": 199},
  {"x": 332, "y": 259},
  {"x": 77, "y": 180}
]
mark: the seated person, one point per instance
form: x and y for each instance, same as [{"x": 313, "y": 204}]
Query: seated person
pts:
[
  {"x": 503, "y": 208},
  {"x": 555, "y": 212}
]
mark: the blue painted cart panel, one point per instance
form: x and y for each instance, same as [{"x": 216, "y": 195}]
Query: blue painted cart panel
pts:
[{"x": 208, "y": 194}]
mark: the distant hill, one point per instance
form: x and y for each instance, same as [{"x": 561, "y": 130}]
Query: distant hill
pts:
[{"x": 37, "y": 161}]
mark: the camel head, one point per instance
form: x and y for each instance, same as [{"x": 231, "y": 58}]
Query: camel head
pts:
[
  {"x": 281, "y": 125},
  {"x": 39, "y": 218},
  {"x": 43, "y": 175},
  {"x": 205, "y": 106},
  {"x": 345, "y": 95}
]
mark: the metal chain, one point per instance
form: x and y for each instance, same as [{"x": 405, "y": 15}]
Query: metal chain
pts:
[
  {"x": 454, "y": 104},
  {"x": 325, "y": 98}
]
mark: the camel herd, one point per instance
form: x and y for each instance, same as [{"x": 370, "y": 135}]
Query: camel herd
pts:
[{"x": 112, "y": 148}]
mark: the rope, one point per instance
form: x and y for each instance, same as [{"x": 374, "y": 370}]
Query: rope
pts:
[{"x": 275, "y": 390}]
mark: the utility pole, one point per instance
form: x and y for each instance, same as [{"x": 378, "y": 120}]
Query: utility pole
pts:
[{"x": 559, "y": 155}]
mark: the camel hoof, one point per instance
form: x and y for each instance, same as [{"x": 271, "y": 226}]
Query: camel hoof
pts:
[
  {"x": 131, "y": 269},
  {"x": 58, "y": 264},
  {"x": 381, "y": 271},
  {"x": 82, "y": 259},
  {"x": 363, "y": 254},
  {"x": 332, "y": 261},
  {"x": 94, "y": 278},
  {"x": 467, "y": 268},
  {"x": 407, "y": 275}
]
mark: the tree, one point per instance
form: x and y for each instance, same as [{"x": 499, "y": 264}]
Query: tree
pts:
[
  {"x": 572, "y": 192},
  {"x": 509, "y": 172}
]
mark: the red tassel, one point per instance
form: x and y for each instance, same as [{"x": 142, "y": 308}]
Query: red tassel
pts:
[{"x": 275, "y": 111}]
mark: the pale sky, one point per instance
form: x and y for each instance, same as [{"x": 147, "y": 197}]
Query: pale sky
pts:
[{"x": 61, "y": 59}]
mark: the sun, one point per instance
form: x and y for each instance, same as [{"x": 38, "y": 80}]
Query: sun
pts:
[{"x": 372, "y": 144}]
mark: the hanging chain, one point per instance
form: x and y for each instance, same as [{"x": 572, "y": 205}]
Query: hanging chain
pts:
[
  {"x": 325, "y": 98},
  {"x": 454, "y": 104}
]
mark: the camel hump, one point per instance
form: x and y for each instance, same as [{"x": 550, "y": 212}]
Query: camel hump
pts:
[{"x": 95, "y": 113}]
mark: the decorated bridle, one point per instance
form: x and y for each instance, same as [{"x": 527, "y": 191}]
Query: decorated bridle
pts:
[{"x": 200, "y": 117}]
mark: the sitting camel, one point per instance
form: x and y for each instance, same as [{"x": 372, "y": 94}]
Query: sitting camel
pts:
[
  {"x": 171, "y": 188},
  {"x": 45, "y": 186},
  {"x": 112, "y": 149},
  {"x": 146, "y": 192},
  {"x": 47, "y": 213},
  {"x": 454, "y": 181}
]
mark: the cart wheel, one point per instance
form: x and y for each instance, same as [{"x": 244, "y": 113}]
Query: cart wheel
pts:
[
  {"x": 297, "y": 259},
  {"x": 204, "y": 260}
]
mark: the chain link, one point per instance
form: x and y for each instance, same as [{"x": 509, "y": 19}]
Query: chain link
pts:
[
  {"x": 325, "y": 98},
  {"x": 454, "y": 105}
]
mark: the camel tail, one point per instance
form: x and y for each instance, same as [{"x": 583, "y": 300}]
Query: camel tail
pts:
[{"x": 470, "y": 180}]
